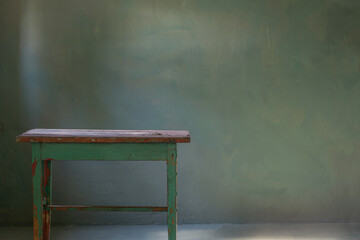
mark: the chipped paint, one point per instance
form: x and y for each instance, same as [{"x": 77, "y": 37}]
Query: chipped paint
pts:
[
  {"x": 34, "y": 165},
  {"x": 36, "y": 231}
]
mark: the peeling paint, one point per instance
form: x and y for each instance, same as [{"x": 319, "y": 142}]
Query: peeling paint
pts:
[
  {"x": 34, "y": 164},
  {"x": 35, "y": 224}
]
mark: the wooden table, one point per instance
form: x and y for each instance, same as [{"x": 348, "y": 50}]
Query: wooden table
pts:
[{"x": 101, "y": 145}]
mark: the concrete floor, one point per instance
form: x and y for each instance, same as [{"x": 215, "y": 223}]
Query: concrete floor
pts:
[{"x": 326, "y": 231}]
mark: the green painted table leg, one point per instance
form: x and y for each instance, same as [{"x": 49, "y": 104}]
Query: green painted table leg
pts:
[
  {"x": 47, "y": 171},
  {"x": 37, "y": 191},
  {"x": 171, "y": 191}
]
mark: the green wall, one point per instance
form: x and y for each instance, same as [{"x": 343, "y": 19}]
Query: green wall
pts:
[{"x": 269, "y": 90}]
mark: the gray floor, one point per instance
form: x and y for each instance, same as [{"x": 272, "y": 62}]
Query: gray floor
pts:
[{"x": 327, "y": 231}]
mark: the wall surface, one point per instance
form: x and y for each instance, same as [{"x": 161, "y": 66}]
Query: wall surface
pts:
[{"x": 269, "y": 90}]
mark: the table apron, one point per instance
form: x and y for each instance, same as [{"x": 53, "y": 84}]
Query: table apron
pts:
[{"x": 105, "y": 151}]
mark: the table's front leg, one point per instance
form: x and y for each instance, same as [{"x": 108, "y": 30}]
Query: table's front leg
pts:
[
  {"x": 47, "y": 196},
  {"x": 37, "y": 175},
  {"x": 171, "y": 191}
]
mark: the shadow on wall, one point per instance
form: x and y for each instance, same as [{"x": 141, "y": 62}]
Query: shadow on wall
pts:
[{"x": 15, "y": 177}]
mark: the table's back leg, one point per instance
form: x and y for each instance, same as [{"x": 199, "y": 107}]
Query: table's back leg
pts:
[
  {"x": 171, "y": 191},
  {"x": 37, "y": 176},
  {"x": 47, "y": 197}
]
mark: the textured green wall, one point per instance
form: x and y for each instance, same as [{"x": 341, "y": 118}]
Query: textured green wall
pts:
[{"x": 269, "y": 90}]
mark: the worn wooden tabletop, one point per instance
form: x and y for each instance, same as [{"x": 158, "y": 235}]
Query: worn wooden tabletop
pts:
[{"x": 103, "y": 136}]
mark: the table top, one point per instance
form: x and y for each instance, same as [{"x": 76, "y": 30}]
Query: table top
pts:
[{"x": 103, "y": 136}]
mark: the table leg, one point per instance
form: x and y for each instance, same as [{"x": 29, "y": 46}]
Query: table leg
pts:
[
  {"x": 37, "y": 175},
  {"x": 47, "y": 197},
  {"x": 171, "y": 191}
]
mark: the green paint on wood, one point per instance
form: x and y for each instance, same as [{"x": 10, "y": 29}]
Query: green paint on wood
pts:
[
  {"x": 172, "y": 191},
  {"x": 37, "y": 166},
  {"x": 47, "y": 188},
  {"x": 106, "y": 208},
  {"x": 105, "y": 151},
  {"x": 44, "y": 153},
  {"x": 47, "y": 166}
]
